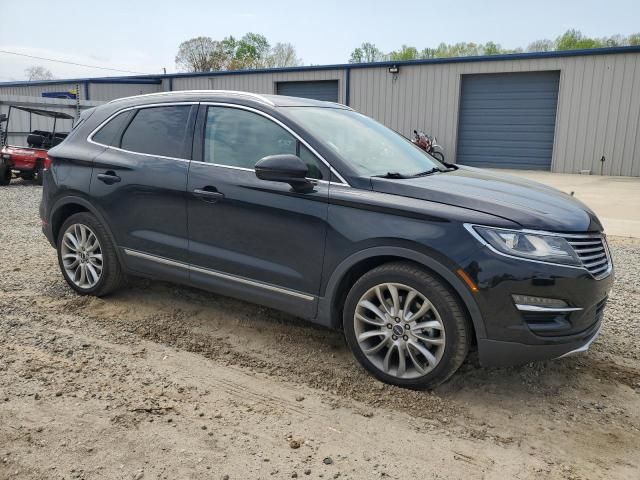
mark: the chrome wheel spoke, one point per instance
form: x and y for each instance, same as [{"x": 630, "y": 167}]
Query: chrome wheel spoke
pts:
[
  {"x": 382, "y": 301},
  {"x": 371, "y": 321},
  {"x": 431, "y": 359},
  {"x": 399, "y": 330},
  {"x": 377, "y": 347},
  {"x": 372, "y": 308},
  {"x": 430, "y": 324},
  {"x": 395, "y": 298},
  {"x": 402, "y": 361},
  {"x": 429, "y": 340}
]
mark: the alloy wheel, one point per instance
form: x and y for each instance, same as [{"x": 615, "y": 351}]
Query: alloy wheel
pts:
[
  {"x": 399, "y": 330},
  {"x": 81, "y": 256}
]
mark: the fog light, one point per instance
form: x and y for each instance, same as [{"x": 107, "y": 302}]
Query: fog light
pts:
[{"x": 538, "y": 301}]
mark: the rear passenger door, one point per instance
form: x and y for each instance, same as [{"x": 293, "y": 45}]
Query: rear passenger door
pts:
[
  {"x": 139, "y": 184},
  {"x": 248, "y": 237}
]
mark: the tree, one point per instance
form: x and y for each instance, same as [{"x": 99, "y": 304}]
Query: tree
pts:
[
  {"x": 366, "y": 53},
  {"x": 405, "y": 53},
  {"x": 249, "y": 52},
  {"x": 574, "y": 39},
  {"x": 37, "y": 72},
  {"x": 634, "y": 39},
  {"x": 199, "y": 54},
  {"x": 282, "y": 55},
  {"x": 544, "y": 45}
]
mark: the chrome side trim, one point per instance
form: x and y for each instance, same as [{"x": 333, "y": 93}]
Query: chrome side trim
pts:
[
  {"x": 155, "y": 258},
  {"x": 477, "y": 236},
  {"x": 215, "y": 273},
  {"x": 278, "y": 122},
  {"x": 253, "y": 283},
  {"x": 252, "y": 170},
  {"x": 536, "y": 308},
  {"x": 584, "y": 347}
]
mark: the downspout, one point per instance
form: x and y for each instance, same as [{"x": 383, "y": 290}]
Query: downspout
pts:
[
  {"x": 347, "y": 85},
  {"x": 86, "y": 90}
]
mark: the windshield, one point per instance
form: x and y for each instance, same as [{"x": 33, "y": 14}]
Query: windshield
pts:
[{"x": 368, "y": 146}]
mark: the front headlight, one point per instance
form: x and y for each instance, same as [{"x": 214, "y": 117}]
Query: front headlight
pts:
[{"x": 532, "y": 246}]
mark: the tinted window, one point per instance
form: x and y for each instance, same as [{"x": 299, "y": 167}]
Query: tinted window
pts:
[
  {"x": 111, "y": 132},
  {"x": 158, "y": 131},
  {"x": 239, "y": 138}
]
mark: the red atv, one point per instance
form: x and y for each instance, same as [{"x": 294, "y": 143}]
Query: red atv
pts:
[{"x": 29, "y": 162}]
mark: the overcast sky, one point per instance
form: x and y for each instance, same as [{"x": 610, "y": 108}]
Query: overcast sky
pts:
[{"x": 143, "y": 36}]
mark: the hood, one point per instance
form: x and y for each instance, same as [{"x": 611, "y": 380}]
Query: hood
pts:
[{"x": 527, "y": 203}]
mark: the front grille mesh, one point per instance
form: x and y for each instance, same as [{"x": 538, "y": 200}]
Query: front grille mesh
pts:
[{"x": 592, "y": 251}]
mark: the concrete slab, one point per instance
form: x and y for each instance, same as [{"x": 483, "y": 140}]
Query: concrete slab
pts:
[{"x": 616, "y": 200}]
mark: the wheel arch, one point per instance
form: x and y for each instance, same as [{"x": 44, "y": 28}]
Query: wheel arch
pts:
[
  {"x": 70, "y": 205},
  {"x": 353, "y": 266}
]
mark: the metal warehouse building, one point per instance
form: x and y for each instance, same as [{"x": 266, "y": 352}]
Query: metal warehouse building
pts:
[{"x": 565, "y": 112}]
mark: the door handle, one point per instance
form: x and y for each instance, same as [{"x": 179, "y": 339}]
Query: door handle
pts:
[
  {"x": 208, "y": 194},
  {"x": 108, "y": 177}
]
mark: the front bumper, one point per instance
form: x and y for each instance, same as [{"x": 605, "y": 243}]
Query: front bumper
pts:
[
  {"x": 514, "y": 336},
  {"x": 496, "y": 353}
]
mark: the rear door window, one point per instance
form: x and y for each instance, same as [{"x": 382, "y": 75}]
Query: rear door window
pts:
[{"x": 158, "y": 131}]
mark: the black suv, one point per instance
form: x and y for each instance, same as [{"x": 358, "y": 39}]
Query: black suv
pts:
[{"x": 312, "y": 208}]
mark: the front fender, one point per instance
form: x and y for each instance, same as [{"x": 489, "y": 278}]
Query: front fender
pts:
[{"x": 326, "y": 312}]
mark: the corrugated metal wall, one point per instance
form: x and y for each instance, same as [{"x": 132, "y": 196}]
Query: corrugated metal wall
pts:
[
  {"x": 598, "y": 105},
  {"x": 38, "y": 90},
  {"x": 109, "y": 91},
  {"x": 258, "y": 82}
]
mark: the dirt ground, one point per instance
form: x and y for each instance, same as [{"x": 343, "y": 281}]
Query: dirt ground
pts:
[{"x": 162, "y": 381}]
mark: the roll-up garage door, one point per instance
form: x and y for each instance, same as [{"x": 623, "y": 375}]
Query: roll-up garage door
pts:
[
  {"x": 507, "y": 120},
  {"x": 326, "y": 90}
]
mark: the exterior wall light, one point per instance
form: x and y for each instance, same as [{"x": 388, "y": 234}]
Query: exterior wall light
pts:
[{"x": 394, "y": 69}]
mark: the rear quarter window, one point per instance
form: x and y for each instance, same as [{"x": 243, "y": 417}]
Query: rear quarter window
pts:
[{"x": 111, "y": 132}]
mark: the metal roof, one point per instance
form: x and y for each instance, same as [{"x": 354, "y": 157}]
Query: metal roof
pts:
[
  {"x": 153, "y": 78},
  {"x": 44, "y": 113}
]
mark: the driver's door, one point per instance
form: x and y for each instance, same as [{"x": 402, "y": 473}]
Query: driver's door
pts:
[{"x": 249, "y": 237}]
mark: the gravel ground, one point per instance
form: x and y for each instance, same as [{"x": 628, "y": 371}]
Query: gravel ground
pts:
[{"x": 163, "y": 381}]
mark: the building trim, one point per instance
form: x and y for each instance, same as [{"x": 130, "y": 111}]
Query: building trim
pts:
[{"x": 341, "y": 66}]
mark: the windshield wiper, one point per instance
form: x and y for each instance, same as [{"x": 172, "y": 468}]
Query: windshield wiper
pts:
[
  {"x": 395, "y": 175},
  {"x": 428, "y": 172}
]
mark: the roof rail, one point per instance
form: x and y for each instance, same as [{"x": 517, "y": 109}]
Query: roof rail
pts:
[{"x": 253, "y": 96}]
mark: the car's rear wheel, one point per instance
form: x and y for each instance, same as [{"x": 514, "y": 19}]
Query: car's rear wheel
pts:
[
  {"x": 87, "y": 256},
  {"x": 405, "y": 326}
]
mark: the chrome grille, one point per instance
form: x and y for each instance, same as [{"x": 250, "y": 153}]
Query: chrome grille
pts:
[{"x": 593, "y": 253}]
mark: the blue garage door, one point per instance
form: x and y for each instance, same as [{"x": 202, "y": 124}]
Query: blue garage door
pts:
[
  {"x": 326, "y": 90},
  {"x": 507, "y": 120}
]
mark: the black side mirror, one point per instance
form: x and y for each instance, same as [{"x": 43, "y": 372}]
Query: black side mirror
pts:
[{"x": 285, "y": 168}]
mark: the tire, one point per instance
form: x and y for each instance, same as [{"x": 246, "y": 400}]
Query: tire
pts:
[
  {"x": 442, "y": 329},
  {"x": 438, "y": 156},
  {"x": 37, "y": 175},
  {"x": 5, "y": 175},
  {"x": 110, "y": 277}
]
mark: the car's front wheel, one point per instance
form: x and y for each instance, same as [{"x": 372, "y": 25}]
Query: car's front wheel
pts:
[
  {"x": 405, "y": 326},
  {"x": 87, "y": 256}
]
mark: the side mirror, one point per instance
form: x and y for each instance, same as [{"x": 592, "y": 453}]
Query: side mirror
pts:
[{"x": 285, "y": 168}]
